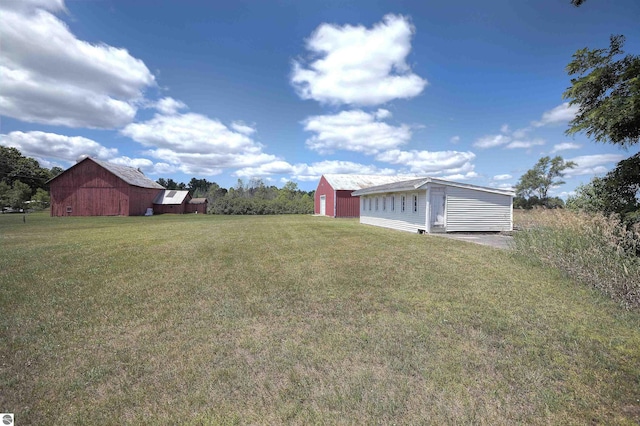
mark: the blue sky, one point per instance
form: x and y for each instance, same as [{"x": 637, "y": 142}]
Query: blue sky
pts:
[{"x": 289, "y": 90}]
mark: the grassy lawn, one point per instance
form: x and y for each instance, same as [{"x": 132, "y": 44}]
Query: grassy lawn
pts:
[{"x": 294, "y": 319}]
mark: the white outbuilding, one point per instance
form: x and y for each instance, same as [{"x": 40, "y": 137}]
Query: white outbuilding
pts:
[{"x": 436, "y": 205}]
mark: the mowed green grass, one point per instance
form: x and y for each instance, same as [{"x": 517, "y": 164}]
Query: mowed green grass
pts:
[{"x": 296, "y": 319}]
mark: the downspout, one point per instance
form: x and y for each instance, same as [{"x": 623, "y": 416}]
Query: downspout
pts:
[{"x": 335, "y": 203}]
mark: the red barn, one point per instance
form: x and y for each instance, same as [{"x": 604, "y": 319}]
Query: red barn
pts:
[
  {"x": 333, "y": 195},
  {"x": 96, "y": 188}
]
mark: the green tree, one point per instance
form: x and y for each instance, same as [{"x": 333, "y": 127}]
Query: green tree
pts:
[
  {"x": 617, "y": 192},
  {"x": 40, "y": 199},
  {"x": 19, "y": 194},
  {"x": 607, "y": 92},
  {"x": 198, "y": 187},
  {"x": 4, "y": 194},
  {"x": 537, "y": 181}
]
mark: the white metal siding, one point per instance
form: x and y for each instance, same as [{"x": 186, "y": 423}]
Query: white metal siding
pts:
[
  {"x": 471, "y": 210},
  {"x": 408, "y": 220}
]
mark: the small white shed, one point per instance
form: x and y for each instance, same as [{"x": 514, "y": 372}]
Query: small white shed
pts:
[{"x": 436, "y": 205}]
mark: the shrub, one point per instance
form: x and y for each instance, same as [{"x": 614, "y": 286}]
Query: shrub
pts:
[{"x": 593, "y": 249}]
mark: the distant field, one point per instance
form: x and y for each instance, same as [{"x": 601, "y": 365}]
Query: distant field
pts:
[{"x": 296, "y": 319}]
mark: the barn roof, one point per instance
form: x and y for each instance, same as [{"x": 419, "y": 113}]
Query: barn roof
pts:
[
  {"x": 130, "y": 175},
  {"x": 352, "y": 182},
  {"x": 198, "y": 201},
  {"x": 413, "y": 184},
  {"x": 171, "y": 196}
]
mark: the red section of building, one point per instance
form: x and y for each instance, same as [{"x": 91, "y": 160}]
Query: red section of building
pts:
[
  {"x": 325, "y": 189},
  {"x": 88, "y": 189},
  {"x": 197, "y": 205},
  {"x": 346, "y": 205},
  {"x": 337, "y": 203}
]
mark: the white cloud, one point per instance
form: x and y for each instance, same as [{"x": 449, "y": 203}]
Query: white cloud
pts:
[
  {"x": 31, "y": 5},
  {"x": 354, "y": 65},
  {"x": 521, "y": 133},
  {"x": 241, "y": 127},
  {"x": 506, "y": 186},
  {"x": 310, "y": 172},
  {"x": 430, "y": 162},
  {"x": 525, "y": 144},
  {"x": 565, "y": 146},
  {"x": 561, "y": 114},
  {"x": 455, "y": 139},
  {"x": 504, "y": 128},
  {"x": 196, "y": 144},
  {"x": 592, "y": 164},
  {"x": 502, "y": 177},
  {"x": 169, "y": 106},
  {"x": 491, "y": 141},
  {"x": 50, "y": 149},
  {"x": 54, "y": 146},
  {"x": 278, "y": 167},
  {"x": 461, "y": 176},
  {"x": 51, "y": 77},
  {"x": 356, "y": 131}
]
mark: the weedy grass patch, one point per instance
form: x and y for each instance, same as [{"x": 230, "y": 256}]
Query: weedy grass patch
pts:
[
  {"x": 593, "y": 249},
  {"x": 200, "y": 319}
]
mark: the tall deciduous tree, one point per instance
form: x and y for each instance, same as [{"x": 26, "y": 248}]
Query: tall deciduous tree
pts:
[
  {"x": 617, "y": 192},
  {"x": 607, "y": 92},
  {"x": 537, "y": 181}
]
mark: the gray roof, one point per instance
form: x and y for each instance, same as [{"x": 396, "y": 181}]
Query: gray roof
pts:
[
  {"x": 352, "y": 182},
  {"x": 413, "y": 184},
  {"x": 198, "y": 201},
  {"x": 171, "y": 196},
  {"x": 128, "y": 174}
]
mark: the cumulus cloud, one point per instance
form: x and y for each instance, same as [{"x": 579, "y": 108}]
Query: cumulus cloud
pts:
[
  {"x": 592, "y": 164},
  {"x": 455, "y": 139},
  {"x": 525, "y": 144},
  {"x": 53, "y": 149},
  {"x": 53, "y": 146},
  {"x": 49, "y": 76},
  {"x": 565, "y": 146},
  {"x": 241, "y": 127},
  {"x": 561, "y": 114},
  {"x": 491, "y": 141},
  {"x": 355, "y": 65},
  {"x": 430, "y": 162},
  {"x": 197, "y": 144},
  {"x": 502, "y": 177},
  {"x": 461, "y": 176},
  {"x": 356, "y": 131},
  {"x": 169, "y": 106},
  {"x": 310, "y": 172}
]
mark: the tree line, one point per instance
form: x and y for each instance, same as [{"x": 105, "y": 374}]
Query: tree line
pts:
[
  {"x": 251, "y": 198},
  {"x": 23, "y": 182}
]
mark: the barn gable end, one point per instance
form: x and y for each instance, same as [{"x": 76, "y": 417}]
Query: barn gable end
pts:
[{"x": 96, "y": 188}]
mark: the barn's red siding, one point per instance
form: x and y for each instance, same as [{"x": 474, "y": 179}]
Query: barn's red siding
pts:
[
  {"x": 87, "y": 189},
  {"x": 140, "y": 199},
  {"x": 338, "y": 203},
  {"x": 346, "y": 205},
  {"x": 325, "y": 189},
  {"x": 201, "y": 208}
]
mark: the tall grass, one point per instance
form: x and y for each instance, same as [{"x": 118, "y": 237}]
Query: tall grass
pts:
[{"x": 591, "y": 248}]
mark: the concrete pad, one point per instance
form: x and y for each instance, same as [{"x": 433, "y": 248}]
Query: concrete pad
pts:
[{"x": 500, "y": 241}]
